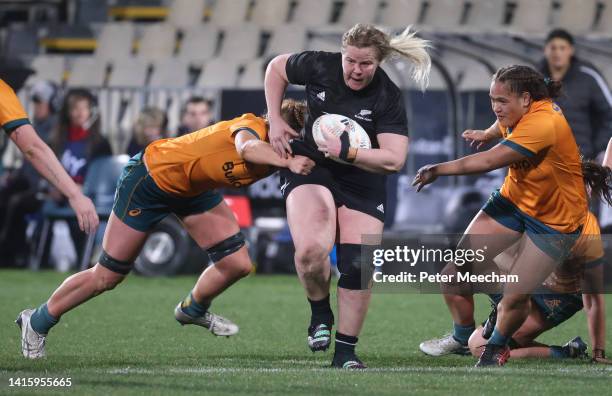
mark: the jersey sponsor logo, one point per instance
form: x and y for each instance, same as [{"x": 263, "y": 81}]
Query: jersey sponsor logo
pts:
[
  {"x": 135, "y": 212},
  {"x": 228, "y": 168},
  {"x": 381, "y": 208},
  {"x": 365, "y": 115},
  {"x": 321, "y": 96},
  {"x": 522, "y": 165}
]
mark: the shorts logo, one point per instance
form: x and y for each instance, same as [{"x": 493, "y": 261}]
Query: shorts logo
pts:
[
  {"x": 321, "y": 96},
  {"x": 381, "y": 208},
  {"x": 283, "y": 187},
  {"x": 135, "y": 212}
]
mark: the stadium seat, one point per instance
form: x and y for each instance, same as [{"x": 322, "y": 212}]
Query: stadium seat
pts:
[
  {"x": 486, "y": 15},
  {"x": 325, "y": 40},
  {"x": 158, "y": 41},
  {"x": 186, "y": 13},
  {"x": 218, "y": 73},
  {"x": 359, "y": 11},
  {"x": 128, "y": 72},
  {"x": 285, "y": 39},
  {"x": 241, "y": 43},
  {"x": 253, "y": 75},
  {"x": 199, "y": 43},
  {"x": 303, "y": 13},
  {"x": 67, "y": 38},
  {"x": 605, "y": 20},
  {"x": 87, "y": 72},
  {"x": 142, "y": 10},
  {"x": 577, "y": 16},
  {"x": 229, "y": 13},
  {"x": 48, "y": 67},
  {"x": 100, "y": 183},
  {"x": 531, "y": 17},
  {"x": 21, "y": 40},
  {"x": 398, "y": 14},
  {"x": 444, "y": 15},
  {"x": 116, "y": 40},
  {"x": 170, "y": 73},
  {"x": 270, "y": 13}
]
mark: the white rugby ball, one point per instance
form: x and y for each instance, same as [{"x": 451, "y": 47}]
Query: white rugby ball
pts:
[{"x": 336, "y": 124}]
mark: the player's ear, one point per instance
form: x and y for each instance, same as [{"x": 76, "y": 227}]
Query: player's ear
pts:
[{"x": 525, "y": 99}]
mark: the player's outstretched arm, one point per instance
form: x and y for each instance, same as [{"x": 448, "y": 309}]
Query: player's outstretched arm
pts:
[
  {"x": 275, "y": 83},
  {"x": 495, "y": 158},
  {"x": 46, "y": 163},
  {"x": 257, "y": 151}
]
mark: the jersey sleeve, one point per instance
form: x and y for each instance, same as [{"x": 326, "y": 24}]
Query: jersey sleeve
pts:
[
  {"x": 255, "y": 128},
  {"x": 12, "y": 114},
  {"x": 534, "y": 133},
  {"x": 303, "y": 66},
  {"x": 392, "y": 116}
]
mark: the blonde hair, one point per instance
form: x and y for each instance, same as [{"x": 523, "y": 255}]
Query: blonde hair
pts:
[
  {"x": 149, "y": 116},
  {"x": 293, "y": 112},
  {"x": 405, "y": 44}
]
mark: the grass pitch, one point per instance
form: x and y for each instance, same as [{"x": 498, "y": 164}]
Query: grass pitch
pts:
[{"x": 127, "y": 342}]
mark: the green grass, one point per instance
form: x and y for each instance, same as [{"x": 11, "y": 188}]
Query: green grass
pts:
[{"x": 127, "y": 342}]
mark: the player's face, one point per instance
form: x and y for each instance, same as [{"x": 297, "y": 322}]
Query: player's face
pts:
[
  {"x": 558, "y": 53},
  {"x": 80, "y": 112},
  {"x": 508, "y": 107},
  {"x": 359, "y": 66},
  {"x": 197, "y": 116}
]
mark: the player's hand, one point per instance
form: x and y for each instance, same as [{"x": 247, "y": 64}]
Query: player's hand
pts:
[
  {"x": 424, "y": 176},
  {"x": 476, "y": 137},
  {"x": 331, "y": 145},
  {"x": 280, "y": 132},
  {"x": 301, "y": 165},
  {"x": 85, "y": 212}
]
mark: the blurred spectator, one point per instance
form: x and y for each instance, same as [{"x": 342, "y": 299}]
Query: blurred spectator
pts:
[
  {"x": 586, "y": 101},
  {"x": 45, "y": 97},
  {"x": 150, "y": 125},
  {"x": 196, "y": 114},
  {"x": 76, "y": 141}
]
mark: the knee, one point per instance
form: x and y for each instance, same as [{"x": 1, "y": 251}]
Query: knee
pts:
[
  {"x": 242, "y": 268},
  {"x": 513, "y": 301},
  {"x": 105, "y": 279},
  {"x": 311, "y": 257}
]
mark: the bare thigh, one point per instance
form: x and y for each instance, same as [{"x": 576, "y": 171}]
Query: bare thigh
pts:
[
  {"x": 212, "y": 226},
  {"x": 311, "y": 214},
  {"x": 121, "y": 241}
]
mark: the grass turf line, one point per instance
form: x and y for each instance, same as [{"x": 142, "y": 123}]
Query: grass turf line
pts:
[{"x": 127, "y": 342}]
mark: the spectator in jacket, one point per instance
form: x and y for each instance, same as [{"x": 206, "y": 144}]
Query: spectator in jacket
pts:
[{"x": 587, "y": 101}]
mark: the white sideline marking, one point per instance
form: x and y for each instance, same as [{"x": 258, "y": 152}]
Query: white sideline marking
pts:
[{"x": 588, "y": 372}]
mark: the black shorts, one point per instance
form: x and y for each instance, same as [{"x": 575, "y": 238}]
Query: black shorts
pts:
[{"x": 370, "y": 201}]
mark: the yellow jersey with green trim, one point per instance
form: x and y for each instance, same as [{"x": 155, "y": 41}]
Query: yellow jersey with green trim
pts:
[
  {"x": 12, "y": 114},
  {"x": 205, "y": 159},
  {"x": 586, "y": 253},
  {"x": 548, "y": 184}
]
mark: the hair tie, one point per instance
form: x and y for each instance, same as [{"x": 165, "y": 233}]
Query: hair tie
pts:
[{"x": 547, "y": 80}]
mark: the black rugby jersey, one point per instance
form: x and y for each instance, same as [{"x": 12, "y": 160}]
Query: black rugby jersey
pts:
[{"x": 378, "y": 108}]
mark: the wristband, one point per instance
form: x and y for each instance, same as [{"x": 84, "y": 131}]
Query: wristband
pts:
[{"x": 347, "y": 153}]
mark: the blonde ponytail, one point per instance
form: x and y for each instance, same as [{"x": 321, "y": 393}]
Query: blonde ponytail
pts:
[{"x": 414, "y": 49}]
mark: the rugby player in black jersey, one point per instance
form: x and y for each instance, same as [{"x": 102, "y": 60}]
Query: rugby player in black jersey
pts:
[{"x": 340, "y": 203}]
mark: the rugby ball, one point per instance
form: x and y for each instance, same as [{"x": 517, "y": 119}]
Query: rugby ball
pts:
[{"x": 336, "y": 124}]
